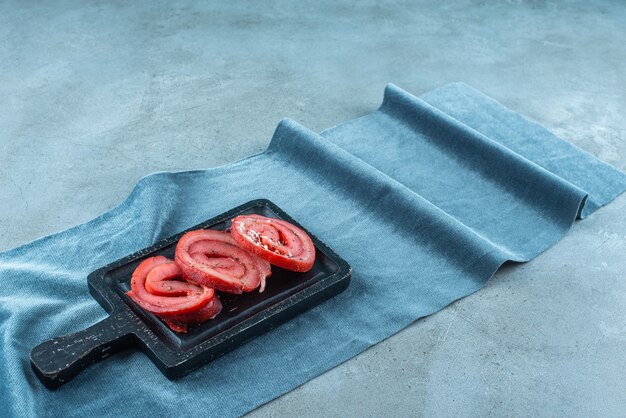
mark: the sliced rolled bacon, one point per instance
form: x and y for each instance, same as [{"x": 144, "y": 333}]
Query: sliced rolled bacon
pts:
[
  {"x": 279, "y": 242},
  {"x": 157, "y": 286},
  {"x": 213, "y": 258}
]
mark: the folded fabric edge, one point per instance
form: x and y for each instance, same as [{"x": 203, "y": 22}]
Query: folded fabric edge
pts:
[
  {"x": 301, "y": 143},
  {"x": 513, "y": 172},
  {"x": 592, "y": 203}
]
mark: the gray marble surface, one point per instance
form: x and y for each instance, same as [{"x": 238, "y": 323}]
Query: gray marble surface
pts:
[{"x": 95, "y": 95}]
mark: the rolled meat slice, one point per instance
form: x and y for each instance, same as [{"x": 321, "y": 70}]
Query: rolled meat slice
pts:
[
  {"x": 157, "y": 286},
  {"x": 279, "y": 242},
  {"x": 213, "y": 258}
]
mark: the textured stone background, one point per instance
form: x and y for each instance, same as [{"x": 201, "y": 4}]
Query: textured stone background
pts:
[{"x": 94, "y": 95}]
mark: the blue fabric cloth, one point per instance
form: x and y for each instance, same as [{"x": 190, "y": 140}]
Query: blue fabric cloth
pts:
[{"x": 425, "y": 198}]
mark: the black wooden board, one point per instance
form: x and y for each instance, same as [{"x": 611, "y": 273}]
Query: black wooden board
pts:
[{"x": 243, "y": 317}]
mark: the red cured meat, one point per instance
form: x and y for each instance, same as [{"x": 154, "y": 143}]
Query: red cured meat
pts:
[
  {"x": 157, "y": 286},
  {"x": 213, "y": 259},
  {"x": 279, "y": 242}
]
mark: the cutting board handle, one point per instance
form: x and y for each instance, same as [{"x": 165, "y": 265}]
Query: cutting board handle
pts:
[{"x": 58, "y": 360}]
